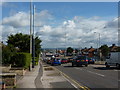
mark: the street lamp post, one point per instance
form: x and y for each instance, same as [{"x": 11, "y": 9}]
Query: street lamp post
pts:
[
  {"x": 98, "y": 45},
  {"x": 33, "y": 59},
  {"x": 30, "y": 34}
]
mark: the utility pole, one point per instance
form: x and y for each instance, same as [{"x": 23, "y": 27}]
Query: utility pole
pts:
[
  {"x": 30, "y": 33},
  {"x": 33, "y": 36},
  {"x": 99, "y": 40}
]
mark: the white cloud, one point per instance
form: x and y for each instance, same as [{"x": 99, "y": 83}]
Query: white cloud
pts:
[
  {"x": 17, "y": 20},
  {"x": 79, "y": 31},
  {"x": 22, "y": 19}
]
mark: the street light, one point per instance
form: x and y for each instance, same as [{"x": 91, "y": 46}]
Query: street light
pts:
[
  {"x": 98, "y": 44},
  {"x": 30, "y": 67}
]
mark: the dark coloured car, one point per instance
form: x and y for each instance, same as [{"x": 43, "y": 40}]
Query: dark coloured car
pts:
[
  {"x": 56, "y": 55},
  {"x": 64, "y": 60},
  {"x": 70, "y": 59},
  {"x": 91, "y": 60},
  {"x": 48, "y": 59},
  {"x": 79, "y": 61},
  {"x": 55, "y": 61}
]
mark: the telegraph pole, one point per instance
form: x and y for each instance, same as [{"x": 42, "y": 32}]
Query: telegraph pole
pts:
[
  {"x": 33, "y": 60},
  {"x": 30, "y": 33}
]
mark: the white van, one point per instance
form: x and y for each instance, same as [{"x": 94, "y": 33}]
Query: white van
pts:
[{"x": 113, "y": 59}]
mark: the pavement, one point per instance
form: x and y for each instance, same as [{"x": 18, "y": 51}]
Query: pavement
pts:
[
  {"x": 44, "y": 76},
  {"x": 27, "y": 81}
]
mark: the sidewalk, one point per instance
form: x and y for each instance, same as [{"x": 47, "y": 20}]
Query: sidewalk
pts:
[
  {"x": 44, "y": 76},
  {"x": 27, "y": 81}
]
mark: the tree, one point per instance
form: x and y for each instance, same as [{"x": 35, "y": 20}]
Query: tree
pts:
[
  {"x": 104, "y": 50},
  {"x": 22, "y": 41},
  {"x": 76, "y": 50},
  {"x": 69, "y": 50}
]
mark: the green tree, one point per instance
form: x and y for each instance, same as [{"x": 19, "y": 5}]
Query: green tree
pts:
[
  {"x": 69, "y": 50},
  {"x": 104, "y": 50},
  {"x": 22, "y": 41},
  {"x": 37, "y": 46}
]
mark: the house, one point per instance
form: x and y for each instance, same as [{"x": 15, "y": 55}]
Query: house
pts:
[
  {"x": 114, "y": 48},
  {"x": 90, "y": 52},
  {"x": 84, "y": 51}
]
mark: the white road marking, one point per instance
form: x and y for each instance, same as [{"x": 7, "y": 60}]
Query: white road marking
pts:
[
  {"x": 97, "y": 65},
  {"x": 116, "y": 70},
  {"x": 96, "y": 73},
  {"x": 78, "y": 68}
]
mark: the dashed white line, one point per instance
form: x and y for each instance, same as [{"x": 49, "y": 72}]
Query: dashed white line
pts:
[
  {"x": 116, "y": 70},
  {"x": 96, "y": 73},
  {"x": 78, "y": 68}
]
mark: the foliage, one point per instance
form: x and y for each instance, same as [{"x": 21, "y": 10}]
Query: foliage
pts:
[
  {"x": 104, "y": 50},
  {"x": 22, "y": 59},
  {"x": 37, "y": 46},
  {"x": 69, "y": 50},
  {"x": 76, "y": 50},
  {"x": 7, "y": 53},
  {"x": 36, "y": 60},
  {"x": 22, "y": 42}
]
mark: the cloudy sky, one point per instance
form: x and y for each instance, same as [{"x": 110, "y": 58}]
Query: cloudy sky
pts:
[{"x": 63, "y": 24}]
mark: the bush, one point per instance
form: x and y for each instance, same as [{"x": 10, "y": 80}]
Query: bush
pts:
[
  {"x": 7, "y": 53},
  {"x": 22, "y": 60}
]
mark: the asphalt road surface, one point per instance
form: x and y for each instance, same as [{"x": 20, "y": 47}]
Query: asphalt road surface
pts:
[{"x": 93, "y": 76}]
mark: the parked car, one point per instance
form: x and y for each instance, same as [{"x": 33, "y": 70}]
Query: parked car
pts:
[
  {"x": 64, "y": 60},
  {"x": 56, "y": 55},
  {"x": 70, "y": 59},
  {"x": 55, "y": 61},
  {"x": 91, "y": 60},
  {"x": 48, "y": 58},
  {"x": 80, "y": 60},
  {"x": 48, "y": 61}
]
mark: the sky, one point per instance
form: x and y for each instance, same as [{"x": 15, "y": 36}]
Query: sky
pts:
[{"x": 63, "y": 24}]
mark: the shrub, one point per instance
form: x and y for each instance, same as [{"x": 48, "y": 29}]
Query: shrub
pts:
[
  {"x": 22, "y": 60},
  {"x": 7, "y": 53}
]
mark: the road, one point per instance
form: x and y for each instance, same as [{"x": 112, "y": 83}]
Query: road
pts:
[{"x": 93, "y": 76}]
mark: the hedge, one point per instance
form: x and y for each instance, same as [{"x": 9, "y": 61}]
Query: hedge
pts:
[{"x": 22, "y": 60}]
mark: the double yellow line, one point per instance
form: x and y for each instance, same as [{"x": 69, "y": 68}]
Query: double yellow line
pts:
[{"x": 73, "y": 81}]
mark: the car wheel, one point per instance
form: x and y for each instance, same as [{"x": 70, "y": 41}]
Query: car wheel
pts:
[
  {"x": 118, "y": 66},
  {"x": 86, "y": 65},
  {"x": 52, "y": 64},
  {"x": 72, "y": 64},
  {"x": 107, "y": 66},
  {"x": 78, "y": 65}
]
